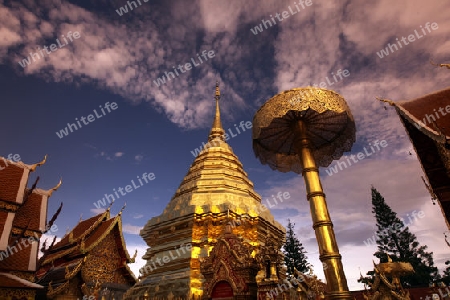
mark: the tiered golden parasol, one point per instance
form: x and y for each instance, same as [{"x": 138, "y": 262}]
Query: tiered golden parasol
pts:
[{"x": 299, "y": 130}]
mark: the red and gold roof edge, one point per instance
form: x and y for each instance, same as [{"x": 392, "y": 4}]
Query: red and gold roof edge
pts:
[
  {"x": 426, "y": 105},
  {"x": 67, "y": 241},
  {"x": 6, "y": 278}
]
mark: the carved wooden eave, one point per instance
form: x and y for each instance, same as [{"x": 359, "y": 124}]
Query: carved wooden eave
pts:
[
  {"x": 70, "y": 274},
  {"x": 60, "y": 289}
]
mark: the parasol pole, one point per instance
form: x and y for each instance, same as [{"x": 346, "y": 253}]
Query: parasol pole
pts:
[{"x": 323, "y": 227}]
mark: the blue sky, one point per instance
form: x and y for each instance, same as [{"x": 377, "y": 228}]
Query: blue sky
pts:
[{"x": 155, "y": 128}]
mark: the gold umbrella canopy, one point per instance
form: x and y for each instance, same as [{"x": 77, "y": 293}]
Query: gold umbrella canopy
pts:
[{"x": 330, "y": 128}]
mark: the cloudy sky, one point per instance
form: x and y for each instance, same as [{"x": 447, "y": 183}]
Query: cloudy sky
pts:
[{"x": 114, "y": 55}]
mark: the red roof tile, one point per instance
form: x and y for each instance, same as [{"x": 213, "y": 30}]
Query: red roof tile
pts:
[
  {"x": 3, "y": 216},
  {"x": 10, "y": 178},
  {"x": 29, "y": 213},
  {"x": 81, "y": 229},
  {"x": 18, "y": 256},
  {"x": 429, "y": 109}
]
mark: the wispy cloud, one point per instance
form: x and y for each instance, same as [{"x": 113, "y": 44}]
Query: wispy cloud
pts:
[
  {"x": 97, "y": 211},
  {"x": 131, "y": 229},
  {"x": 338, "y": 35}
]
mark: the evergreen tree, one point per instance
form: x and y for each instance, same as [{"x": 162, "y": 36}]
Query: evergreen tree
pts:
[
  {"x": 294, "y": 253},
  {"x": 446, "y": 277},
  {"x": 394, "y": 239}
]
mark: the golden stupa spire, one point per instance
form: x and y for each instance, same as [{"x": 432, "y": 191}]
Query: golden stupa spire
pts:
[{"x": 217, "y": 130}]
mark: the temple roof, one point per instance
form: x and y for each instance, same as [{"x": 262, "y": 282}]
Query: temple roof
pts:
[
  {"x": 81, "y": 230},
  {"x": 215, "y": 182},
  {"x": 78, "y": 243},
  {"x": 428, "y": 113},
  {"x": 428, "y": 126},
  {"x": 23, "y": 215}
]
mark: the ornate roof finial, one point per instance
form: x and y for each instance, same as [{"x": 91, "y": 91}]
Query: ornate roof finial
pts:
[
  {"x": 133, "y": 259},
  {"x": 109, "y": 207},
  {"x": 55, "y": 188},
  {"x": 33, "y": 167},
  {"x": 217, "y": 130},
  {"x": 390, "y": 102},
  {"x": 53, "y": 219},
  {"x": 123, "y": 207},
  {"x": 439, "y": 65}
]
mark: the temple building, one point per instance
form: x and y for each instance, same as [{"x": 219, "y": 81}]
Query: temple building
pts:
[
  {"x": 23, "y": 220},
  {"x": 427, "y": 122},
  {"x": 90, "y": 260},
  {"x": 214, "y": 239}
]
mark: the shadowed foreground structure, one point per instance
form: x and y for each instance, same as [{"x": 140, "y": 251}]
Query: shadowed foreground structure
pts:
[
  {"x": 90, "y": 260},
  {"x": 23, "y": 220},
  {"x": 427, "y": 122}
]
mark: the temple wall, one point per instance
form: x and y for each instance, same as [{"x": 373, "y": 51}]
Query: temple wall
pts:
[
  {"x": 9, "y": 294},
  {"x": 174, "y": 271},
  {"x": 103, "y": 262}
]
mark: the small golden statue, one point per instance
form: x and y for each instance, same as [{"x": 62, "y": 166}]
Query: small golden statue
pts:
[{"x": 386, "y": 285}]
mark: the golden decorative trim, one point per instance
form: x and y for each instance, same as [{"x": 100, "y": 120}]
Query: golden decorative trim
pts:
[
  {"x": 59, "y": 255},
  {"x": 127, "y": 255},
  {"x": 12, "y": 207},
  {"x": 82, "y": 246},
  {"x": 70, "y": 275},
  {"x": 53, "y": 292},
  {"x": 439, "y": 65},
  {"x": 390, "y": 102}
]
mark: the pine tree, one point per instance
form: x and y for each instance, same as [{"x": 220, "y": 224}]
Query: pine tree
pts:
[
  {"x": 294, "y": 253},
  {"x": 394, "y": 239}
]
